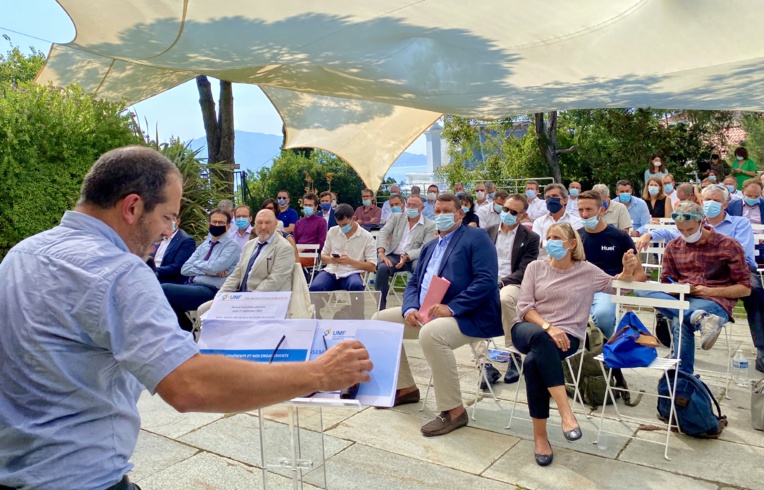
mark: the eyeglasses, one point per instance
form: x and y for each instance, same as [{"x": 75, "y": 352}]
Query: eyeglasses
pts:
[
  {"x": 218, "y": 223},
  {"x": 679, "y": 217},
  {"x": 510, "y": 211}
]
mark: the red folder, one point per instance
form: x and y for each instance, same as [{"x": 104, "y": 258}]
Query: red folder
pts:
[{"x": 434, "y": 296}]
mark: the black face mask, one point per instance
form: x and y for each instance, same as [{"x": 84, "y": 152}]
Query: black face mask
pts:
[
  {"x": 714, "y": 157},
  {"x": 217, "y": 230}
]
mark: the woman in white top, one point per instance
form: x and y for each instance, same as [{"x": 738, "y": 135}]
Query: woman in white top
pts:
[{"x": 552, "y": 313}]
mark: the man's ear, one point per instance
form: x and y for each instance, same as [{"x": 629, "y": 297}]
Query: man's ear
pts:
[{"x": 131, "y": 208}]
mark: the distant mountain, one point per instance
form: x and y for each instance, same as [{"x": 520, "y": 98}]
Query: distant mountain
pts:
[{"x": 254, "y": 151}]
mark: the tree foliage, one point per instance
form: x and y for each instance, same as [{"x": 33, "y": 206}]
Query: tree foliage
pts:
[
  {"x": 753, "y": 123},
  {"x": 17, "y": 69},
  {"x": 298, "y": 174}
]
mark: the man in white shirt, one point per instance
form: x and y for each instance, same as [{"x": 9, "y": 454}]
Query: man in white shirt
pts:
[
  {"x": 574, "y": 189},
  {"x": 242, "y": 229},
  {"x": 490, "y": 215},
  {"x": 387, "y": 212},
  {"x": 482, "y": 197},
  {"x": 348, "y": 251},
  {"x": 556, "y": 198},
  {"x": 731, "y": 184},
  {"x": 400, "y": 242},
  {"x": 536, "y": 205},
  {"x": 669, "y": 188}
]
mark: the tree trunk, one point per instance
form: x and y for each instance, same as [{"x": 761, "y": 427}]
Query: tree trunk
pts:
[
  {"x": 546, "y": 136},
  {"x": 218, "y": 127}
]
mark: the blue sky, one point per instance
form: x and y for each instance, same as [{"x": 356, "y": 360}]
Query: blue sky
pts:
[{"x": 176, "y": 112}]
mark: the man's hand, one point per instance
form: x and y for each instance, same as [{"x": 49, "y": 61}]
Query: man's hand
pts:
[
  {"x": 643, "y": 242},
  {"x": 402, "y": 261},
  {"x": 222, "y": 274},
  {"x": 414, "y": 318},
  {"x": 439, "y": 311},
  {"x": 703, "y": 291},
  {"x": 383, "y": 258},
  {"x": 344, "y": 365},
  {"x": 634, "y": 233},
  {"x": 629, "y": 262},
  {"x": 342, "y": 260}
]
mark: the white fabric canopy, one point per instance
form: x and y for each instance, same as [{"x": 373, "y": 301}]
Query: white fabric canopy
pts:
[{"x": 363, "y": 79}]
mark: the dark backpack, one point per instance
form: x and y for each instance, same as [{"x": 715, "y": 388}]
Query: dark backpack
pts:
[
  {"x": 694, "y": 409},
  {"x": 592, "y": 382}
]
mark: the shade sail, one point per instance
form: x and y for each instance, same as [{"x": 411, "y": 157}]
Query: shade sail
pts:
[{"x": 363, "y": 79}]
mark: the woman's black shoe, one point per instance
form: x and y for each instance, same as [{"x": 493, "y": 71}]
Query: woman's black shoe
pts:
[{"x": 545, "y": 459}]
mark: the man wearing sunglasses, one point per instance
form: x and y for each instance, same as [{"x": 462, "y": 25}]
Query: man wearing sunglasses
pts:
[
  {"x": 713, "y": 264},
  {"x": 516, "y": 247}
]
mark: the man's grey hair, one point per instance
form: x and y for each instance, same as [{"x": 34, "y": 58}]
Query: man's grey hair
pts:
[
  {"x": 489, "y": 186},
  {"x": 689, "y": 207},
  {"x": 226, "y": 205},
  {"x": 603, "y": 191},
  {"x": 559, "y": 187},
  {"x": 686, "y": 189},
  {"x": 714, "y": 188}
]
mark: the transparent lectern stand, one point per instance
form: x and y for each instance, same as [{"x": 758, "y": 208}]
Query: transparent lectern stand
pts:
[{"x": 294, "y": 461}]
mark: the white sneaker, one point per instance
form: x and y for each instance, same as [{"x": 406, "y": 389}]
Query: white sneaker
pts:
[{"x": 710, "y": 327}]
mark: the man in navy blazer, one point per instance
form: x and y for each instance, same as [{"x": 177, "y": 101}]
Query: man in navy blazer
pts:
[
  {"x": 325, "y": 203},
  {"x": 468, "y": 312},
  {"x": 172, "y": 253}
]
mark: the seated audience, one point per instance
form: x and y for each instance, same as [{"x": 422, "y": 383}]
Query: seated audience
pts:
[
  {"x": 536, "y": 206},
  {"x": 490, "y": 215},
  {"x": 556, "y": 198},
  {"x": 516, "y": 247},
  {"x": 468, "y": 206},
  {"x": 327, "y": 211},
  {"x": 311, "y": 229},
  {"x": 604, "y": 245},
  {"x": 400, "y": 242},
  {"x": 714, "y": 265},
  {"x": 685, "y": 192},
  {"x": 387, "y": 213},
  {"x": 616, "y": 213},
  {"x": 490, "y": 189},
  {"x": 657, "y": 202},
  {"x": 552, "y": 325},
  {"x": 206, "y": 270},
  {"x": 459, "y": 188},
  {"x": 669, "y": 188},
  {"x": 574, "y": 189},
  {"x": 751, "y": 206},
  {"x": 241, "y": 230},
  {"x": 731, "y": 184},
  {"x": 636, "y": 207},
  {"x": 174, "y": 250},
  {"x": 368, "y": 215},
  {"x": 467, "y": 313},
  {"x": 429, "y": 205},
  {"x": 482, "y": 199},
  {"x": 227, "y": 206},
  {"x": 286, "y": 215},
  {"x": 348, "y": 252}
]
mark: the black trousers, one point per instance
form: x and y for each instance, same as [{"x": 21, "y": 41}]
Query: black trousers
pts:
[
  {"x": 384, "y": 273},
  {"x": 542, "y": 368}
]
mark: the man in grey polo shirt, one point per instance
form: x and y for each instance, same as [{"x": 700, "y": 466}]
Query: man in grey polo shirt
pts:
[{"x": 84, "y": 327}]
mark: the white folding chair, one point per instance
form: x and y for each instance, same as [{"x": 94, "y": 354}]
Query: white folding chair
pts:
[
  {"x": 405, "y": 275},
  {"x": 196, "y": 324},
  {"x": 576, "y": 375},
  {"x": 309, "y": 251},
  {"x": 661, "y": 364},
  {"x": 656, "y": 251}
]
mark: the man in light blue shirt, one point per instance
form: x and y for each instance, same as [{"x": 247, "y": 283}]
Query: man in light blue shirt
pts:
[
  {"x": 84, "y": 328},
  {"x": 640, "y": 215},
  {"x": 429, "y": 203},
  {"x": 207, "y": 269}
]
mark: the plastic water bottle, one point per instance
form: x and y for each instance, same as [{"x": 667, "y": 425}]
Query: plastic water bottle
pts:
[
  {"x": 740, "y": 369},
  {"x": 602, "y": 441}
]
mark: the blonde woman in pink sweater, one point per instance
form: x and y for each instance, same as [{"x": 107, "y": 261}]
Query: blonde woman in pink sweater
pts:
[{"x": 552, "y": 313}]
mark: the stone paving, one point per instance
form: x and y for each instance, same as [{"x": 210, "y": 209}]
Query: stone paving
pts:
[{"x": 372, "y": 448}]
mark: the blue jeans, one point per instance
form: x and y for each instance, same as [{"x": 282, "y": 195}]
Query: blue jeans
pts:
[
  {"x": 603, "y": 314},
  {"x": 687, "y": 342},
  {"x": 329, "y": 282}
]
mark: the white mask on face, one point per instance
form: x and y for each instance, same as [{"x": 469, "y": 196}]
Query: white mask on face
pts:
[
  {"x": 695, "y": 236},
  {"x": 656, "y": 164}
]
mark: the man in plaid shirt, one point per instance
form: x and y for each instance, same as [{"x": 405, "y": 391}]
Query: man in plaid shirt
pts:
[{"x": 714, "y": 266}]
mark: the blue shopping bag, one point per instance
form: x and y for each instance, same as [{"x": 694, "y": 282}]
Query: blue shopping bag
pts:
[{"x": 632, "y": 345}]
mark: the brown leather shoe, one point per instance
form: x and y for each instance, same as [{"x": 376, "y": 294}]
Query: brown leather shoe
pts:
[
  {"x": 443, "y": 424},
  {"x": 412, "y": 397}
]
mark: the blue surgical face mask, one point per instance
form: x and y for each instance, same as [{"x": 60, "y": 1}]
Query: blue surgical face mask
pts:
[
  {"x": 590, "y": 223},
  {"x": 508, "y": 219},
  {"x": 491, "y": 195},
  {"x": 653, "y": 190},
  {"x": 242, "y": 223},
  {"x": 308, "y": 211},
  {"x": 739, "y": 158},
  {"x": 326, "y": 206},
  {"x": 624, "y": 197},
  {"x": 712, "y": 178},
  {"x": 752, "y": 202},
  {"x": 466, "y": 209},
  {"x": 731, "y": 189},
  {"x": 346, "y": 228},
  {"x": 174, "y": 226},
  {"x": 396, "y": 209},
  {"x": 444, "y": 221},
  {"x": 573, "y": 192},
  {"x": 412, "y": 213},
  {"x": 668, "y": 188},
  {"x": 530, "y": 193},
  {"x": 555, "y": 249},
  {"x": 553, "y": 204},
  {"x": 712, "y": 208},
  {"x": 497, "y": 208},
  {"x": 367, "y": 202},
  {"x": 282, "y": 201}
]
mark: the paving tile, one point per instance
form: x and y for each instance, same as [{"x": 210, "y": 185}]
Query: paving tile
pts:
[
  {"x": 361, "y": 466},
  {"x": 155, "y": 453},
  {"x": 238, "y": 438},
  {"x": 714, "y": 460},
  {"x": 310, "y": 418},
  {"x": 467, "y": 449},
  {"x": 572, "y": 469},
  {"x": 160, "y": 418},
  {"x": 212, "y": 472}
]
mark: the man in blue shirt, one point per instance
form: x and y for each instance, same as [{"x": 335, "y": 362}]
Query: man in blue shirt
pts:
[
  {"x": 715, "y": 202},
  {"x": 206, "y": 270},
  {"x": 640, "y": 215},
  {"x": 84, "y": 328},
  {"x": 286, "y": 215},
  {"x": 429, "y": 204}
]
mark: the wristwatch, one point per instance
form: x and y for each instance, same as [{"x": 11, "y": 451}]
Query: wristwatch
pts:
[{"x": 546, "y": 326}]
